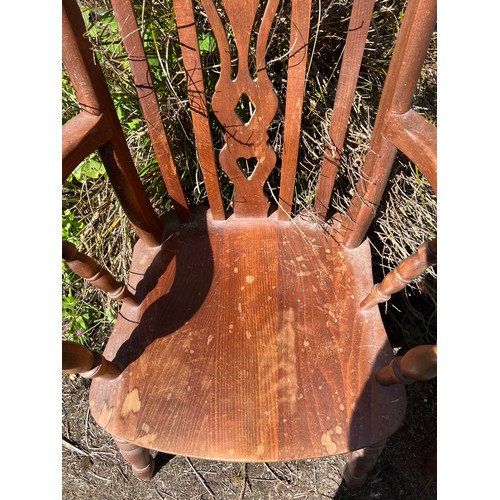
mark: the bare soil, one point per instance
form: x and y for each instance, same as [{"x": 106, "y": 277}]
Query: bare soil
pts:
[{"x": 92, "y": 468}]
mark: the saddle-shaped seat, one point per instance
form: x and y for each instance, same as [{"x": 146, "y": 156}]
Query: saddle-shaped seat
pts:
[{"x": 249, "y": 344}]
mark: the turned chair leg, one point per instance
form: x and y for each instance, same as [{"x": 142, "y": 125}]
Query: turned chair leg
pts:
[
  {"x": 139, "y": 458},
  {"x": 360, "y": 462}
]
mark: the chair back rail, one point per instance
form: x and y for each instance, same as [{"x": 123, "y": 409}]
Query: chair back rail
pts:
[
  {"x": 250, "y": 140},
  {"x": 359, "y": 25},
  {"x": 148, "y": 100},
  {"x": 404, "y": 71},
  {"x": 396, "y": 126},
  {"x": 94, "y": 98}
]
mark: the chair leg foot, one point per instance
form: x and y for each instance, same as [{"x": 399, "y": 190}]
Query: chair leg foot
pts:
[
  {"x": 360, "y": 462},
  {"x": 142, "y": 462}
]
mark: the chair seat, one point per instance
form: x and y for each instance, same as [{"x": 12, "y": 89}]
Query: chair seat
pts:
[{"x": 249, "y": 345}]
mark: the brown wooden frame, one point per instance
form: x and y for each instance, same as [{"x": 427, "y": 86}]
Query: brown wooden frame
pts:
[
  {"x": 396, "y": 125},
  {"x": 97, "y": 127}
]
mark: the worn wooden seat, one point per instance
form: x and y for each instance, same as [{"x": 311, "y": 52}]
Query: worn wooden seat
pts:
[
  {"x": 247, "y": 347},
  {"x": 251, "y": 334}
]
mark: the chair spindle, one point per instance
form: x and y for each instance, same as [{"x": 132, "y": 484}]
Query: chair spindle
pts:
[
  {"x": 88, "y": 269},
  {"x": 359, "y": 25},
  {"x": 419, "y": 363},
  {"x": 409, "y": 269},
  {"x": 148, "y": 100},
  {"x": 188, "y": 37},
  {"x": 297, "y": 65},
  {"x": 76, "y": 358}
]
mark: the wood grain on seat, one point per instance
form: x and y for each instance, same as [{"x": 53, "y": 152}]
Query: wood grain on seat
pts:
[{"x": 249, "y": 344}]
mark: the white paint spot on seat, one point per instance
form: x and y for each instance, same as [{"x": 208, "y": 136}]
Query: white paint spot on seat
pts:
[
  {"x": 306, "y": 273},
  {"x": 327, "y": 442}
]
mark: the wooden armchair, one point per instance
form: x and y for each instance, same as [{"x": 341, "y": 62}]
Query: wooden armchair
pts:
[{"x": 253, "y": 333}]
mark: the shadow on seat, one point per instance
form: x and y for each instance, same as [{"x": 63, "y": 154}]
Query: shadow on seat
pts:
[
  {"x": 250, "y": 346},
  {"x": 254, "y": 334}
]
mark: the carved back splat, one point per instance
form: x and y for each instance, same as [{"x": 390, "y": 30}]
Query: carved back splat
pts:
[{"x": 243, "y": 141}]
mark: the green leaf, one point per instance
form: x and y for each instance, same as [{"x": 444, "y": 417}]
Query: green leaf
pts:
[
  {"x": 89, "y": 168},
  {"x": 133, "y": 124},
  {"x": 153, "y": 63},
  {"x": 71, "y": 227},
  {"x": 207, "y": 43}
]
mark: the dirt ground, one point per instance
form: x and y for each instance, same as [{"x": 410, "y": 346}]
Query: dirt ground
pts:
[{"x": 92, "y": 468}]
